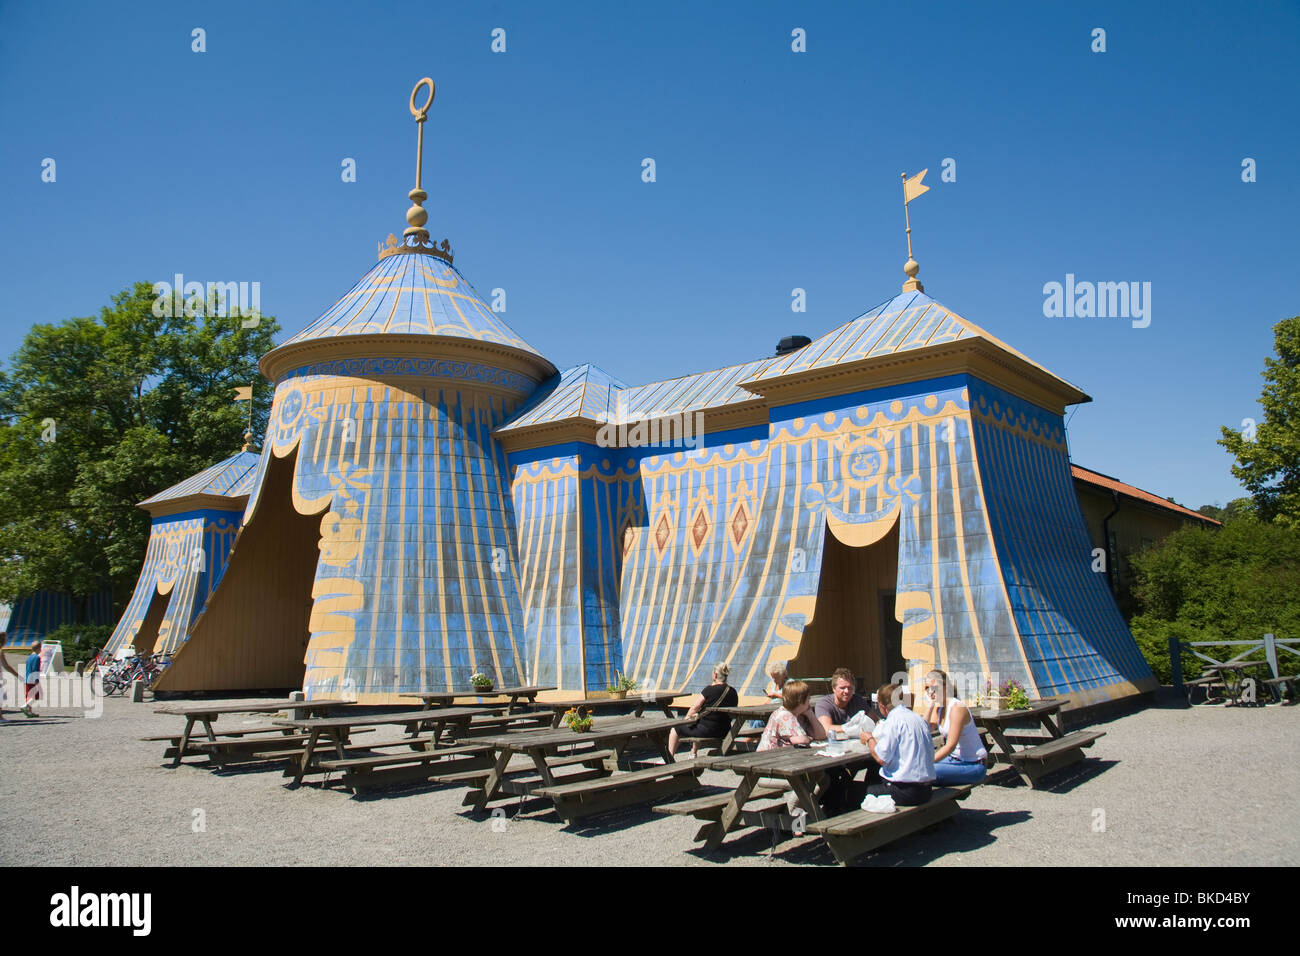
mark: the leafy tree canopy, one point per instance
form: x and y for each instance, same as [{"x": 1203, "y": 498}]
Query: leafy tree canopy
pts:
[
  {"x": 1233, "y": 583},
  {"x": 1268, "y": 461},
  {"x": 97, "y": 414}
]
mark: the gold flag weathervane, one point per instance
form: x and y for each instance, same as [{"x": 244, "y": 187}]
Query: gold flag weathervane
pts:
[
  {"x": 911, "y": 189},
  {"x": 244, "y": 393}
]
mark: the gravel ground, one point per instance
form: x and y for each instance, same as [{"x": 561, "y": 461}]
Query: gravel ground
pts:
[{"x": 1161, "y": 781}]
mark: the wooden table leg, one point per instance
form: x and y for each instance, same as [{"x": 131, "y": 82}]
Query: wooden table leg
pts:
[
  {"x": 1051, "y": 725},
  {"x": 307, "y": 753},
  {"x": 731, "y": 813},
  {"x": 1004, "y": 746},
  {"x": 493, "y": 782},
  {"x": 806, "y": 799},
  {"x": 660, "y": 741},
  {"x": 555, "y": 721},
  {"x": 729, "y": 741},
  {"x": 185, "y": 741}
]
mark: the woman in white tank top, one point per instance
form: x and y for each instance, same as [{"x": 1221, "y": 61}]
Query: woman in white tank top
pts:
[{"x": 960, "y": 759}]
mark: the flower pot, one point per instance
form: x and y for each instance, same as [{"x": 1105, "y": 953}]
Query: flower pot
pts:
[
  {"x": 483, "y": 690},
  {"x": 618, "y": 694},
  {"x": 995, "y": 703}
]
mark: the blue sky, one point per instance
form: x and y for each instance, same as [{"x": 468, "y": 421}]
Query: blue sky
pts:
[{"x": 775, "y": 170}]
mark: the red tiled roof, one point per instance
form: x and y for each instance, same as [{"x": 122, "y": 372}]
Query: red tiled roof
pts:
[{"x": 1114, "y": 484}]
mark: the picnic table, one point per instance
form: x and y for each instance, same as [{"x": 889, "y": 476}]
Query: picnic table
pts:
[
  {"x": 206, "y": 712},
  {"x": 600, "y": 785},
  {"x": 639, "y": 701},
  {"x": 1038, "y": 760},
  {"x": 519, "y": 696},
  {"x": 740, "y": 716},
  {"x": 337, "y": 729},
  {"x": 802, "y": 769}
]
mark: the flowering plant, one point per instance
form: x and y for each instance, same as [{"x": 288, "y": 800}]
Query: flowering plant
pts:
[
  {"x": 1014, "y": 692},
  {"x": 577, "y": 720},
  {"x": 480, "y": 680}
]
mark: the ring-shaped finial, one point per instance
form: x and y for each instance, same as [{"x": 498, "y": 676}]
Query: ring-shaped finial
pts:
[{"x": 419, "y": 113}]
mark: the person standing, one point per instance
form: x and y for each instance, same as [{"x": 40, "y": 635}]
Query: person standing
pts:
[
  {"x": 33, "y": 680},
  {"x": 4, "y": 639}
]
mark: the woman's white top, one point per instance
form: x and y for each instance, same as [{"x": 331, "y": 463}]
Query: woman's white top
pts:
[{"x": 969, "y": 748}]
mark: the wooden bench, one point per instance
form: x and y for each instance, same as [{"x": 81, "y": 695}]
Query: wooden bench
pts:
[
  {"x": 373, "y": 771},
  {"x": 1279, "y": 685},
  {"x": 852, "y": 834},
  {"x": 1208, "y": 683},
  {"x": 708, "y": 809},
  {"x": 585, "y": 798},
  {"x": 593, "y": 760},
  {"x": 1033, "y": 763},
  {"x": 531, "y": 720}
]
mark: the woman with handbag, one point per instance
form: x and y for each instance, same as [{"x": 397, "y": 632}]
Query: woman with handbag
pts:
[{"x": 707, "y": 722}]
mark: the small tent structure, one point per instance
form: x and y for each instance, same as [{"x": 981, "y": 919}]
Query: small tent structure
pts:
[{"x": 193, "y": 528}]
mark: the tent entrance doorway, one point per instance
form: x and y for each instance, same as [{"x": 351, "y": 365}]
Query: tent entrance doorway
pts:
[{"x": 853, "y": 625}]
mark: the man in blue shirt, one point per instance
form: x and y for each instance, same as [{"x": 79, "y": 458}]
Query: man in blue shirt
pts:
[{"x": 902, "y": 746}]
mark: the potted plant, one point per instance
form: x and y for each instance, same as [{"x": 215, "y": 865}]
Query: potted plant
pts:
[
  {"x": 481, "y": 683},
  {"x": 1013, "y": 692},
  {"x": 578, "y": 721},
  {"x": 618, "y": 690}
]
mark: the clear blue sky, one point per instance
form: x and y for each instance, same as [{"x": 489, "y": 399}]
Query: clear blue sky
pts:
[{"x": 775, "y": 170}]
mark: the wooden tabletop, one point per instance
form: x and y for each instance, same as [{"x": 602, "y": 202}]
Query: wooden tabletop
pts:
[
  {"x": 368, "y": 720},
  {"x": 1036, "y": 708},
  {"x": 788, "y": 762},
  {"x": 473, "y": 692},
  {"x": 633, "y": 698},
  {"x": 752, "y": 711},
  {"x": 258, "y": 705},
  {"x": 603, "y": 729}
]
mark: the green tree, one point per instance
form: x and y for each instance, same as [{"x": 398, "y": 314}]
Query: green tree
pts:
[
  {"x": 1233, "y": 583},
  {"x": 97, "y": 414},
  {"x": 1268, "y": 463}
]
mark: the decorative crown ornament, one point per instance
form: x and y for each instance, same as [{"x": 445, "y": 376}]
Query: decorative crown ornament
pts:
[{"x": 415, "y": 238}]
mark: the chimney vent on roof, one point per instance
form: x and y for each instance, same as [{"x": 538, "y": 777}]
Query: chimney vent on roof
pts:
[{"x": 791, "y": 343}]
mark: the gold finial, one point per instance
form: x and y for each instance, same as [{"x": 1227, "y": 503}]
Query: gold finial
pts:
[
  {"x": 911, "y": 189},
  {"x": 415, "y": 238},
  {"x": 248, "y": 441}
]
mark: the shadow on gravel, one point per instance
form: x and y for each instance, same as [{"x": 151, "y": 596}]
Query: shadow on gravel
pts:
[
  {"x": 1067, "y": 778},
  {"x": 37, "y": 721}
]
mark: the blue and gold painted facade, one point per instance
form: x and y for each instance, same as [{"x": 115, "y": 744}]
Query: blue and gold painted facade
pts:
[
  {"x": 474, "y": 515},
  {"x": 192, "y": 531}
]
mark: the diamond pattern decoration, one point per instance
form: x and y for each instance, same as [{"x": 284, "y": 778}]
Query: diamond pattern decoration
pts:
[
  {"x": 663, "y": 531},
  {"x": 700, "y": 528},
  {"x": 739, "y": 523}
]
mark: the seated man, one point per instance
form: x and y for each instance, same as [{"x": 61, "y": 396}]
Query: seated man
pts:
[
  {"x": 841, "y": 793},
  {"x": 842, "y": 702},
  {"x": 904, "y": 749}
]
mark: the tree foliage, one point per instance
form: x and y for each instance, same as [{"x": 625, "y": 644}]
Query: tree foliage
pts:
[
  {"x": 1268, "y": 462},
  {"x": 1234, "y": 583},
  {"x": 97, "y": 414}
]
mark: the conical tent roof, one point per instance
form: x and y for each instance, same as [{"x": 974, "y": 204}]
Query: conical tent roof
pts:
[
  {"x": 405, "y": 294},
  {"x": 231, "y": 478}
]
